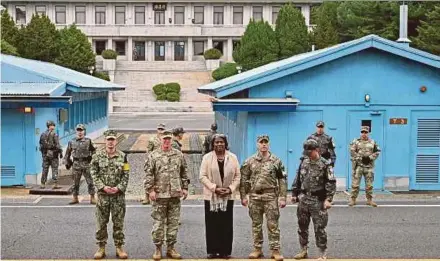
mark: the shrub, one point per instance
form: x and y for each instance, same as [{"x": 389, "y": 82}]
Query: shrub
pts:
[
  {"x": 7, "y": 48},
  {"x": 212, "y": 54},
  {"x": 173, "y": 97},
  {"x": 109, "y": 54},
  {"x": 225, "y": 71},
  {"x": 101, "y": 75},
  {"x": 172, "y": 87},
  {"x": 159, "y": 89},
  {"x": 161, "y": 97}
]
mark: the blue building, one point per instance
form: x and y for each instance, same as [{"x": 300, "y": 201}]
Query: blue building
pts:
[
  {"x": 34, "y": 92},
  {"x": 370, "y": 81}
]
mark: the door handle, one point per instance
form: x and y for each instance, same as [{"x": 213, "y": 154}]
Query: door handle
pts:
[{"x": 290, "y": 151}]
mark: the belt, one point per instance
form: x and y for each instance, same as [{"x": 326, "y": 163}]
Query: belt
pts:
[
  {"x": 81, "y": 159},
  {"x": 314, "y": 194},
  {"x": 267, "y": 190}
]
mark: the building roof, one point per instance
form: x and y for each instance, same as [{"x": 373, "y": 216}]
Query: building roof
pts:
[
  {"x": 30, "y": 88},
  {"x": 59, "y": 73},
  {"x": 308, "y": 60}
]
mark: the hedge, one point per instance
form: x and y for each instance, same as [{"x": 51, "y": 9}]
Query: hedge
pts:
[
  {"x": 173, "y": 97},
  {"x": 159, "y": 89},
  {"x": 172, "y": 87},
  {"x": 212, "y": 54},
  {"x": 167, "y": 92},
  {"x": 225, "y": 71},
  {"x": 101, "y": 75},
  {"x": 109, "y": 54}
]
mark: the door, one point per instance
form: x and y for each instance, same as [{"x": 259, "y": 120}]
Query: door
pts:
[
  {"x": 301, "y": 125},
  {"x": 374, "y": 120},
  {"x": 425, "y": 154},
  {"x": 179, "y": 51},
  {"x": 139, "y": 51},
  {"x": 13, "y": 147},
  {"x": 159, "y": 51}
]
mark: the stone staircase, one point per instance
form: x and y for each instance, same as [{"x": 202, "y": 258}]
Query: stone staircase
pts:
[{"x": 161, "y": 66}]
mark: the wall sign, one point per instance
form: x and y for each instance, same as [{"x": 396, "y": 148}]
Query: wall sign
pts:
[
  {"x": 399, "y": 121},
  {"x": 159, "y": 7}
]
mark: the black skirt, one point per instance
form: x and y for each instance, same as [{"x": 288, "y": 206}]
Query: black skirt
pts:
[{"x": 219, "y": 230}]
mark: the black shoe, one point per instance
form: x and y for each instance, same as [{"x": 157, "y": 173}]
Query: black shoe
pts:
[{"x": 211, "y": 256}]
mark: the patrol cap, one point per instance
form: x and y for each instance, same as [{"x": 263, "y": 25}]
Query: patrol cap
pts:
[
  {"x": 110, "y": 134},
  {"x": 80, "y": 127},
  {"x": 214, "y": 126},
  {"x": 167, "y": 135},
  {"x": 161, "y": 126},
  {"x": 310, "y": 144},
  {"x": 320, "y": 124},
  {"x": 50, "y": 123},
  {"x": 365, "y": 129},
  {"x": 178, "y": 130},
  {"x": 263, "y": 137}
]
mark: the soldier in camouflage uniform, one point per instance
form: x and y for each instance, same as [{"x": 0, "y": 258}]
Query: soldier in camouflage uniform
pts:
[
  {"x": 166, "y": 181},
  {"x": 263, "y": 178},
  {"x": 364, "y": 151},
  {"x": 325, "y": 142},
  {"x": 207, "y": 144},
  {"x": 178, "y": 136},
  {"x": 81, "y": 149},
  {"x": 110, "y": 173},
  {"x": 314, "y": 188},
  {"x": 50, "y": 150},
  {"x": 153, "y": 144}
]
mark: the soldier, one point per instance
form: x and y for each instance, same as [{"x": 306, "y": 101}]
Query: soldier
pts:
[
  {"x": 314, "y": 188},
  {"x": 263, "y": 178},
  {"x": 178, "y": 136},
  {"x": 110, "y": 173},
  {"x": 325, "y": 142},
  {"x": 81, "y": 148},
  {"x": 166, "y": 181},
  {"x": 364, "y": 151},
  {"x": 153, "y": 144},
  {"x": 50, "y": 150},
  {"x": 207, "y": 144}
]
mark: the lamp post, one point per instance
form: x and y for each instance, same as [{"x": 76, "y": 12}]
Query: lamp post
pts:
[{"x": 91, "y": 69}]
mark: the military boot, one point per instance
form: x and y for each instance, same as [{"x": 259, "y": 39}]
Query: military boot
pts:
[
  {"x": 302, "y": 254},
  {"x": 74, "y": 200},
  {"x": 277, "y": 255},
  {"x": 257, "y": 253},
  {"x": 322, "y": 254},
  {"x": 100, "y": 254},
  {"x": 146, "y": 200},
  {"x": 55, "y": 185},
  {"x": 172, "y": 253},
  {"x": 42, "y": 186},
  {"x": 92, "y": 199},
  {"x": 121, "y": 253},
  {"x": 157, "y": 253},
  {"x": 352, "y": 202},
  {"x": 370, "y": 202}
]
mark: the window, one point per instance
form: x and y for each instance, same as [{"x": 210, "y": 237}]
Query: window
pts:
[
  {"x": 179, "y": 15},
  {"x": 275, "y": 11},
  {"x": 199, "y": 15},
  {"x": 40, "y": 10},
  {"x": 139, "y": 51},
  {"x": 139, "y": 14},
  {"x": 60, "y": 14},
  {"x": 366, "y": 123},
  {"x": 159, "y": 17},
  {"x": 119, "y": 14},
  {"x": 100, "y": 15},
  {"x": 99, "y": 47},
  {"x": 237, "y": 15},
  {"x": 159, "y": 51},
  {"x": 199, "y": 47},
  {"x": 20, "y": 14},
  {"x": 120, "y": 47},
  {"x": 179, "y": 51},
  {"x": 218, "y": 15},
  {"x": 80, "y": 14},
  {"x": 218, "y": 45},
  {"x": 257, "y": 13}
]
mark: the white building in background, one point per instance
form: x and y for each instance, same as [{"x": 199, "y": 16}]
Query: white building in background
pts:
[{"x": 174, "y": 30}]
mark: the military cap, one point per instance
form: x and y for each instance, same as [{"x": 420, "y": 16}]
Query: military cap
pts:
[
  {"x": 214, "y": 126},
  {"x": 161, "y": 126},
  {"x": 263, "y": 137},
  {"x": 178, "y": 130},
  {"x": 365, "y": 128},
  {"x": 167, "y": 134},
  {"x": 310, "y": 144},
  {"x": 80, "y": 127},
  {"x": 110, "y": 134},
  {"x": 320, "y": 124},
  {"x": 50, "y": 123}
]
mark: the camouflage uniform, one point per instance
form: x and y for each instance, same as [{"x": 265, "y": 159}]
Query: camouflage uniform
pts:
[
  {"x": 265, "y": 182},
  {"x": 166, "y": 174},
  {"x": 112, "y": 172},
  {"x": 314, "y": 183},
  {"x": 176, "y": 143},
  {"x": 50, "y": 150},
  {"x": 207, "y": 144},
  {"x": 326, "y": 144},
  {"x": 364, "y": 152}
]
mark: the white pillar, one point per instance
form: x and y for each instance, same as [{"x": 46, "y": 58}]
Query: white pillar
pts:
[
  {"x": 110, "y": 44},
  {"x": 168, "y": 51},
  {"x": 150, "y": 51},
  {"x": 229, "y": 50},
  {"x": 306, "y": 13},
  {"x": 130, "y": 49},
  {"x": 190, "y": 49},
  {"x": 209, "y": 43}
]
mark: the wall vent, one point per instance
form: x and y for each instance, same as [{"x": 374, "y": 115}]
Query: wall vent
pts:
[{"x": 427, "y": 168}]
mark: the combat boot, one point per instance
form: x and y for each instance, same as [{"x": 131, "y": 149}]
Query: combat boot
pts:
[
  {"x": 322, "y": 254},
  {"x": 257, "y": 253},
  {"x": 146, "y": 200},
  {"x": 172, "y": 253},
  {"x": 55, "y": 185},
  {"x": 92, "y": 199},
  {"x": 157, "y": 253},
  {"x": 42, "y": 186},
  {"x": 277, "y": 255},
  {"x": 100, "y": 254},
  {"x": 74, "y": 200},
  {"x": 121, "y": 253},
  {"x": 370, "y": 202},
  {"x": 302, "y": 254},
  {"x": 352, "y": 202}
]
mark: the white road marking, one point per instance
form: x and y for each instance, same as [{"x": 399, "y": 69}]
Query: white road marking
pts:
[{"x": 202, "y": 206}]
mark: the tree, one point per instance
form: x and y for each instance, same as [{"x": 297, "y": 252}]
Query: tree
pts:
[
  {"x": 38, "y": 40},
  {"x": 257, "y": 47},
  {"x": 7, "y": 48},
  {"x": 9, "y": 30},
  {"x": 325, "y": 33},
  {"x": 291, "y": 32},
  {"x": 429, "y": 32},
  {"x": 75, "y": 50}
]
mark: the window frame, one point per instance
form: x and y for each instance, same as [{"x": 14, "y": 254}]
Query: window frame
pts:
[
  {"x": 16, "y": 16},
  {"x": 216, "y": 16},
  {"x": 124, "y": 13},
  {"x": 234, "y": 12},
  {"x": 76, "y": 14},
  {"x": 182, "y": 13},
  {"x": 253, "y": 12},
  {"x": 200, "y": 13},
  {"x": 60, "y": 12},
  {"x": 104, "y": 13},
  {"x": 136, "y": 12}
]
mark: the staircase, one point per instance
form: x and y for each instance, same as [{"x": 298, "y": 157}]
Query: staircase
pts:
[{"x": 161, "y": 66}]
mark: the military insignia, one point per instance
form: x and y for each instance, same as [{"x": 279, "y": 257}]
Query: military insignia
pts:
[{"x": 126, "y": 167}]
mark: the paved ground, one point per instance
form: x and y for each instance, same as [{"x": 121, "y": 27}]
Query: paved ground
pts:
[{"x": 45, "y": 227}]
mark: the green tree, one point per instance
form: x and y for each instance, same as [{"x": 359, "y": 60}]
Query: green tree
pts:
[
  {"x": 257, "y": 47},
  {"x": 429, "y": 33},
  {"x": 39, "y": 39},
  {"x": 325, "y": 33},
  {"x": 75, "y": 50},
  {"x": 9, "y": 30},
  {"x": 7, "y": 48},
  {"x": 291, "y": 32}
]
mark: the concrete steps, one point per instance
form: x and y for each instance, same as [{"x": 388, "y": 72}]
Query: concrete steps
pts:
[
  {"x": 161, "y": 66},
  {"x": 162, "y": 106}
]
